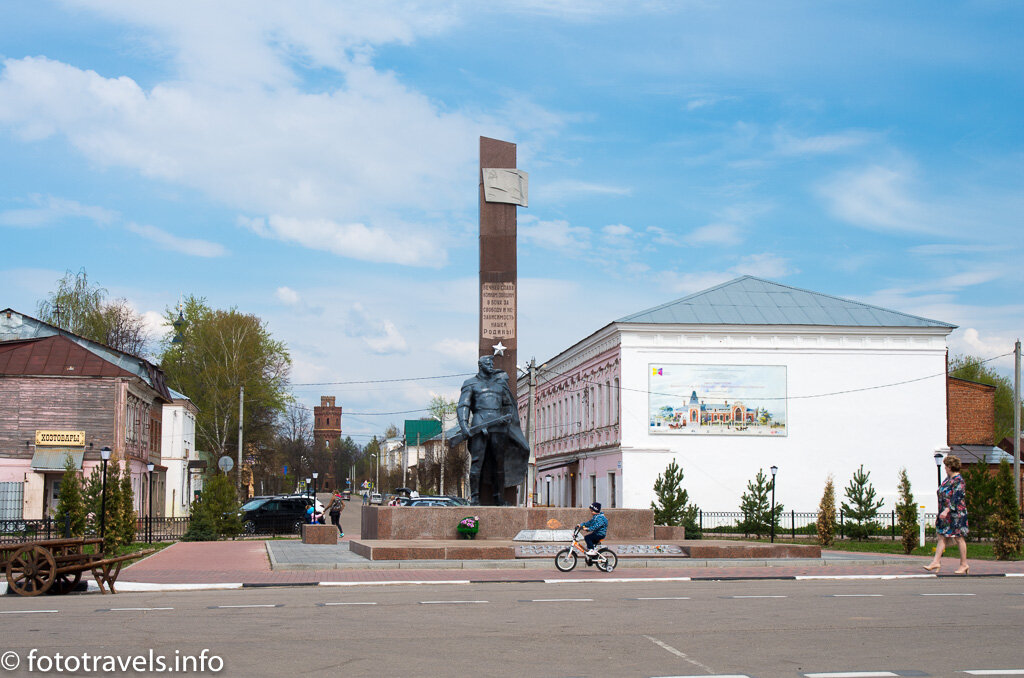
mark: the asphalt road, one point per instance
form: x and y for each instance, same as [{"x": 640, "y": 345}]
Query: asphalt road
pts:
[{"x": 759, "y": 629}]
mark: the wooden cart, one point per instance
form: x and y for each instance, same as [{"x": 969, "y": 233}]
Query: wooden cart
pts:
[{"x": 57, "y": 565}]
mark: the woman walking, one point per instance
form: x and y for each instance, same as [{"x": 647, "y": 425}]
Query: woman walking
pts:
[
  {"x": 335, "y": 508},
  {"x": 951, "y": 522}
]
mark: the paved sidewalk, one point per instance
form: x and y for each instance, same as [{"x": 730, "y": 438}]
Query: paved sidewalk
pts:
[{"x": 249, "y": 563}]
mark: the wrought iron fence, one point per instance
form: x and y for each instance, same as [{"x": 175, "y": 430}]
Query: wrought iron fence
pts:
[{"x": 793, "y": 524}]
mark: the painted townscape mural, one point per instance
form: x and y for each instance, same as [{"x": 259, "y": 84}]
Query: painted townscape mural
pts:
[{"x": 717, "y": 399}]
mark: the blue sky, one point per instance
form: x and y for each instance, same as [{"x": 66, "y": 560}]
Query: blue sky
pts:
[{"x": 315, "y": 163}]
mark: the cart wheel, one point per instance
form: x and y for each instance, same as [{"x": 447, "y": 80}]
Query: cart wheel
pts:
[
  {"x": 31, "y": 570},
  {"x": 66, "y": 582}
]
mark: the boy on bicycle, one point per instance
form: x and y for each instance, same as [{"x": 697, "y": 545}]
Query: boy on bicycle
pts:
[{"x": 597, "y": 528}]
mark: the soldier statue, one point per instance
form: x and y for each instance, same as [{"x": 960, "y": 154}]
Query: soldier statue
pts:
[{"x": 498, "y": 449}]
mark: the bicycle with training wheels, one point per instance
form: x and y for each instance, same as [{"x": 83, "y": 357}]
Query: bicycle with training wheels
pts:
[{"x": 565, "y": 560}]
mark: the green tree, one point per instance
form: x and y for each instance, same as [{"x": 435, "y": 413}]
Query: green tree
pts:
[
  {"x": 756, "y": 506},
  {"x": 220, "y": 353},
  {"x": 215, "y": 513},
  {"x": 826, "y": 523},
  {"x": 672, "y": 506},
  {"x": 71, "y": 509},
  {"x": 1007, "y": 534},
  {"x": 973, "y": 368},
  {"x": 124, "y": 519},
  {"x": 81, "y": 307},
  {"x": 906, "y": 513},
  {"x": 862, "y": 508},
  {"x": 981, "y": 494}
]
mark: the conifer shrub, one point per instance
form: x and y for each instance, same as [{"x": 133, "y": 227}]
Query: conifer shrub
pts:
[
  {"x": 1007, "y": 535},
  {"x": 981, "y": 494},
  {"x": 906, "y": 514},
  {"x": 826, "y": 524},
  {"x": 672, "y": 505},
  {"x": 215, "y": 513},
  {"x": 755, "y": 505},
  {"x": 862, "y": 508},
  {"x": 71, "y": 509}
]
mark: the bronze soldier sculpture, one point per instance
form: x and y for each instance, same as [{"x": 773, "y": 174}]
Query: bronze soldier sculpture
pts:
[{"x": 497, "y": 447}]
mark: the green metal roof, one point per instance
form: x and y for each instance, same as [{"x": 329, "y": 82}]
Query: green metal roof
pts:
[
  {"x": 753, "y": 301},
  {"x": 424, "y": 428},
  {"x": 54, "y": 458}
]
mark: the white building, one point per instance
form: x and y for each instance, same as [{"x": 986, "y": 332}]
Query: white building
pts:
[
  {"x": 178, "y": 454},
  {"x": 737, "y": 378}
]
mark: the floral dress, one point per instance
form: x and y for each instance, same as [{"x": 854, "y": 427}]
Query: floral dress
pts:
[{"x": 952, "y": 496}]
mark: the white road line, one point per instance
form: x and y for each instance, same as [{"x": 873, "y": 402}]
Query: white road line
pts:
[
  {"x": 854, "y": 595},
  {"x": 754, "y": 596},
  {"x": 665, "y": 598},
  {"x": 805, "y": 577},
  {"x": 226, "y": 607},
  {"x": 137, "y": 609},
  {"x": 946, "y": 594},
  {"x": 451, "y": 602},
  {"x": 392, "y": 583},
  {"x": 853, "y": 674},
  {"x": 348, "y": 604},
  {"x": 28, "y": 611},
  {"x": 995, "y": 672},
  {"x": 562, "y": 600},
  {"x": 614, "y": 580},
  {"x": 681, "y": 655},
  {"x": 714, "y": 675}
]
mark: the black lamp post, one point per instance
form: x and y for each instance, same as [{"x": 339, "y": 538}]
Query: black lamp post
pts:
[
  {"x": 775, "y": 469},
  {"x": 938, "y": 467},
  {"x": 149, "y": 518},
  {"x": 315, "y": 474},
  {"x": 547, "y": 482},
  {"x": 105, "y": 456}
]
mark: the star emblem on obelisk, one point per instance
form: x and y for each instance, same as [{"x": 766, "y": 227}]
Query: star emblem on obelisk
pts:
[{"x": 499, "y": 348}]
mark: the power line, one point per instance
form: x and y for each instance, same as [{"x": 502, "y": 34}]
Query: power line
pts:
[{"x": 385, "y": 381}]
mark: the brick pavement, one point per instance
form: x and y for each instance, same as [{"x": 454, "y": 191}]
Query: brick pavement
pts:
[{"x": 247, "y": 562}]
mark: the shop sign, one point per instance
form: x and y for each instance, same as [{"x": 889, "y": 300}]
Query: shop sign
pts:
[{"x": 60, "y": 438}]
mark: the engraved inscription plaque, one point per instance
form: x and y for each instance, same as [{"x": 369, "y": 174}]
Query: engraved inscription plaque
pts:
[
  {"x": 498, "y": 309},
  {"x": 502, "y": 184}
]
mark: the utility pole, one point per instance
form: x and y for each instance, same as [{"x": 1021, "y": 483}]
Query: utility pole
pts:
[
  {"x": 1016, "y": 421},
  {"x": 531, "y": 469},
  {"x": 241, "y": 408},
  {"x": 444, "y": 448}
]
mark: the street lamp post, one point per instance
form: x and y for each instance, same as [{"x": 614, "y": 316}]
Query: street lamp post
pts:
[
  {"x": 775, "y": 469},
  {"x": 547, "y": 482},
  {"x": 315, "y": 475},
  {"x": 105, "y": 456},
  {"x": 938, "y": 467},
  {"x": 149, "y": 517}
]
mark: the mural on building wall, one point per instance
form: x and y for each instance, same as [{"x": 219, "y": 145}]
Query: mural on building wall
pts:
[{"x": 746, "y": 400}]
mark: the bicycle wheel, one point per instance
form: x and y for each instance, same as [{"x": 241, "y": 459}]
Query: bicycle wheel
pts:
[
  {"x": 607, "y": 560},
  {"x": 565, "y": 560}
]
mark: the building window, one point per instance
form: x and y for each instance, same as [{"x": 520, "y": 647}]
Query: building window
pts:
[
  {"x": 611, "y": 490},
  {"x": 593, "y": 488}
]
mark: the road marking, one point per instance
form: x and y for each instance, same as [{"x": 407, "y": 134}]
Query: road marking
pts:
[
  {"x": 805, "y": 577},
  {"x": 28, "y": 611},
  {"x": 995, "y": 672},
  {"x": 854, "y": 595},
  {"x": 614, "y": 580},
  {"x": 393, "y": 583},
  {"x": 329, "y": 604},
  {"x": 754, "y": 596},
  {"x": 681, "y": 655},
  {"x": 133, "y": 609},
  {"x": 451, "y": 602},
  {"x": 228, "y": 607},
  {"x": 560, "y": 600},
  {"x": 946, "y": 594},
  {"x": 853, "y": 674},
  {"x": 714, "y": 675},
  {"x": 662, "y": 598}
]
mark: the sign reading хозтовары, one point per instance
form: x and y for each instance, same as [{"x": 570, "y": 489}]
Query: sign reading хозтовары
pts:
[
  {"x": 498, "y": 310},
  {"x": 62, "y": 438}
]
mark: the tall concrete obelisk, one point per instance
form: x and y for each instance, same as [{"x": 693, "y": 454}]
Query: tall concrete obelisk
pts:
[{"x": 502, "y": 189}]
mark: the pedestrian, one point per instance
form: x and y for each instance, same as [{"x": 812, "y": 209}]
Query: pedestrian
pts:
[
  {"x": 366, "y": 497},
  {"x": 335, "y": 508},
  {"x": 951, "y": 521}
]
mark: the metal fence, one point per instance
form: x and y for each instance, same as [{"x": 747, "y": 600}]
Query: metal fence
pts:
[
  {"x": 146, "y": 530},
  {"x": 793, "y": 524}
]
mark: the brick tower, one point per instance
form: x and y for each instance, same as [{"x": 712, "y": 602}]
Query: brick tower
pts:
[{"x": 326, "y": 422}]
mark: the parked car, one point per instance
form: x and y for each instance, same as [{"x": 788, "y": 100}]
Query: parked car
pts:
[
  {"x": 425, "y": 500},
  {"x": 273, "y": 515},
  {"x": 306, "y": 498},
  {"x": 376, "y": 498}
]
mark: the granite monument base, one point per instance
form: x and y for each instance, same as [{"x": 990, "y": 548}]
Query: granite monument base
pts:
[{"x": 319, "y": 534}]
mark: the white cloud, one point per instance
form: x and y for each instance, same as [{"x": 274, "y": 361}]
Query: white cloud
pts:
[
  {"x": 688, "y": 283},
  {"x": 877, "y": 198},
  {"x": 50, "y": 210},
  {"x": 715, "y": 234},
  {"x": 355, "y": 240},
  {"x": 464, "y": 352},
  {"x": 556, "y": 234},
  {"x": 380, "y": 336},
  {"x": 764, "y": 265},
  {"x": 568, "y": 189},
  {"x": 617, "y": 230},
  {"x": 787, "y": 144},
  {"x": 951, "y": 249},
  {"x": 156, "y": 324},
  {"x": 287, "y": 296},
  {"x": 191, "y": 246}
]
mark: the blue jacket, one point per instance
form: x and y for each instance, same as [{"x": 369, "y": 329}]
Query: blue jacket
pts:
[{"x": 598, "y": 525}]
